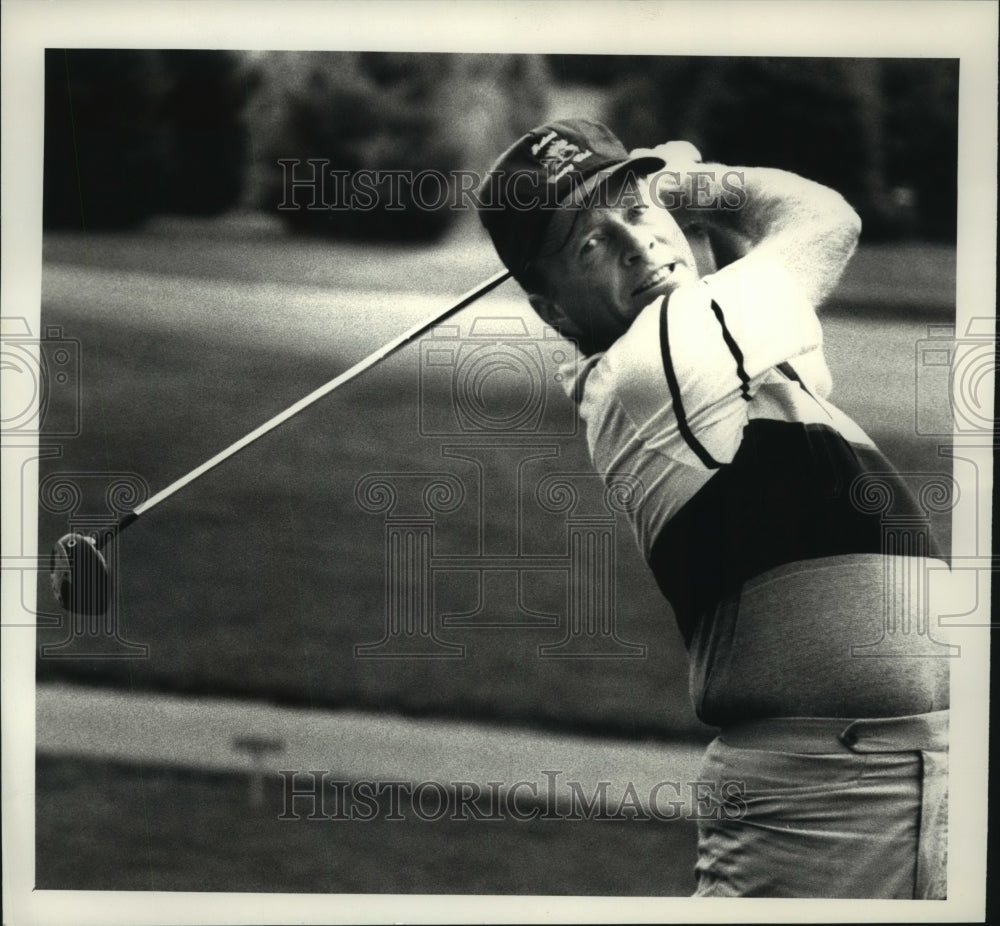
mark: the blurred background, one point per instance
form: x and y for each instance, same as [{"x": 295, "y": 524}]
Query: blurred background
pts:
[
  {"x": 132, "y": 134},
  {"x": 195, "y": 309}
]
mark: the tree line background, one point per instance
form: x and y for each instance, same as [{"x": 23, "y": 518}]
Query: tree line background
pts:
[{"x": 134, "y": 133}]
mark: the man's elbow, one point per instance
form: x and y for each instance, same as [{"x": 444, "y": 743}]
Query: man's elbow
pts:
[
  {"x": 834, "y": 240},
  {"x": 844, "y": 223},
  {"x": 818, "y": 255}
]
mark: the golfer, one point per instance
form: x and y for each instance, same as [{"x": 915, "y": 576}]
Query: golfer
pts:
[{"x": 691, "y": 290}]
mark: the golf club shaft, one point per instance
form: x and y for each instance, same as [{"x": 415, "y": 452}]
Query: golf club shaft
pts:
[{"x": 381, "y": 354}]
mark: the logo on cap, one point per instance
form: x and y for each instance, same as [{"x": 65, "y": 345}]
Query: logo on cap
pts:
[{"x": 559, "y": 156}]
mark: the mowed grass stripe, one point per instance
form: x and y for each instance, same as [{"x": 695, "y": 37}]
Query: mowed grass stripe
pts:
[
  {"x": 260, "y": 579},
  {"x": 203, "y": 733},
  {"x": 332, "y": 321},
  {"x": 91, "y": 820}
]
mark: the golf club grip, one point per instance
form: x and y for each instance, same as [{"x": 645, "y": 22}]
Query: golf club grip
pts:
[{"x": 376, "y": 357}]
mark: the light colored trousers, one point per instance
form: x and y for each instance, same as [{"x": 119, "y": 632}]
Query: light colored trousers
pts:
[{"x": 831, "y": 808}]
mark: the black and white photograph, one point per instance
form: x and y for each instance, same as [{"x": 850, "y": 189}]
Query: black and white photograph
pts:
[{"x": 524, "y": 462}]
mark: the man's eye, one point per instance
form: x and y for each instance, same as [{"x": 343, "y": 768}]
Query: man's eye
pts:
[
  {"x": 637, "y": 211},
  {"x": 590, "y": 245}
]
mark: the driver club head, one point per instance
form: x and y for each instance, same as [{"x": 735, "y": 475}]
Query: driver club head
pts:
[{"x": 79, "y": 575}]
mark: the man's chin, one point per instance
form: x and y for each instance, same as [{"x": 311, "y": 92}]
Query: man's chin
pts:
[
  {"x": 651, "y": 295},
  {"x": 681, "y": 275}
]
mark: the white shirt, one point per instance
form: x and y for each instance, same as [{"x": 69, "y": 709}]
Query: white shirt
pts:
[{"x": 668, "y": 401}]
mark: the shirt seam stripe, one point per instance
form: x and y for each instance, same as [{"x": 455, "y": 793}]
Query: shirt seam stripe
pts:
[
  {"x": 734, "y": 349},
  {"x": 675, "y": 393}
]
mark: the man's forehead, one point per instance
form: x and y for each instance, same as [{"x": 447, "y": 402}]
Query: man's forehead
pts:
[
  {"x": 618, "y": 194},
  {"x": 596, "y": 207}
]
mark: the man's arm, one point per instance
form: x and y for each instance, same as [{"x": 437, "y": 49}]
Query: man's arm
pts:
[{"x": 808, "y": 228}]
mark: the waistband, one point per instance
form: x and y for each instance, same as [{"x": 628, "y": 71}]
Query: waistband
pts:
[{"x": 822, "y": 735}]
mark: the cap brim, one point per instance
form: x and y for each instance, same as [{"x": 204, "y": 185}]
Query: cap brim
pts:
[{"x": 563, "y": 219}]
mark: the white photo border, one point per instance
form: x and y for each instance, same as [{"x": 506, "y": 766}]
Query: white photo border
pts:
[{"x": 853, "y": 28}]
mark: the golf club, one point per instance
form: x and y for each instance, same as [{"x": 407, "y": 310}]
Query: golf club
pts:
[{"x": 79, "y": 572}]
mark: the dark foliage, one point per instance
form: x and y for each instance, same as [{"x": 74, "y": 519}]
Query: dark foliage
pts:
[
  {"x": 375, "y": 122},
  {"x": 203, "y": 110},
  {"x": 882, "y": 132},
  {"x": 129, "y": 133},
  {"x": 598, "y": 70}
]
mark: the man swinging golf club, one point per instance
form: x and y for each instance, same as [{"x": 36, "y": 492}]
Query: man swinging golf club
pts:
[{"x": 709, "y": 385}]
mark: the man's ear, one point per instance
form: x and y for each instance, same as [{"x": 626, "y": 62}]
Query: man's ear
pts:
[{"x": 550, "y": 312}]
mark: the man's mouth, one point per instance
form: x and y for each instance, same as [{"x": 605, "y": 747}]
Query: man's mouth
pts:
[{"x": 655, "y": 278}]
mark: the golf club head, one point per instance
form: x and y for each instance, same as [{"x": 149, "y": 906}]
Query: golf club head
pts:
[{"x": 79, "y": 575}]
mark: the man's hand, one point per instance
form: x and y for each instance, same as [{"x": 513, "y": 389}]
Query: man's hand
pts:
[
  {"x": 756, "y": 211},
  {"x": 674, "y": 191},
  {"x": 674, "y": 184},
  {"x": 675, "y": 153}
]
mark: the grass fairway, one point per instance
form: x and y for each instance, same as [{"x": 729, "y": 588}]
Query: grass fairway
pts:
[
  {"x": 121, "y": 827},
  {"x": 261, "y": 578}
]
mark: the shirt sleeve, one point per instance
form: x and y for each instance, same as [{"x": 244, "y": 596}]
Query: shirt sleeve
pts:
[
  {"x": 813, "y": 372},
  {"x": 707, "y": 348},
  {"x": 763, "y": 312}
]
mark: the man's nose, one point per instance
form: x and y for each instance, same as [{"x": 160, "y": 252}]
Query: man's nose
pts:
[{"x": 636, "y": 244}]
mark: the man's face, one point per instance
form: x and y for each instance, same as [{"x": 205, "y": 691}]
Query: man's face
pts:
[{"x": 620, "y": 256}]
